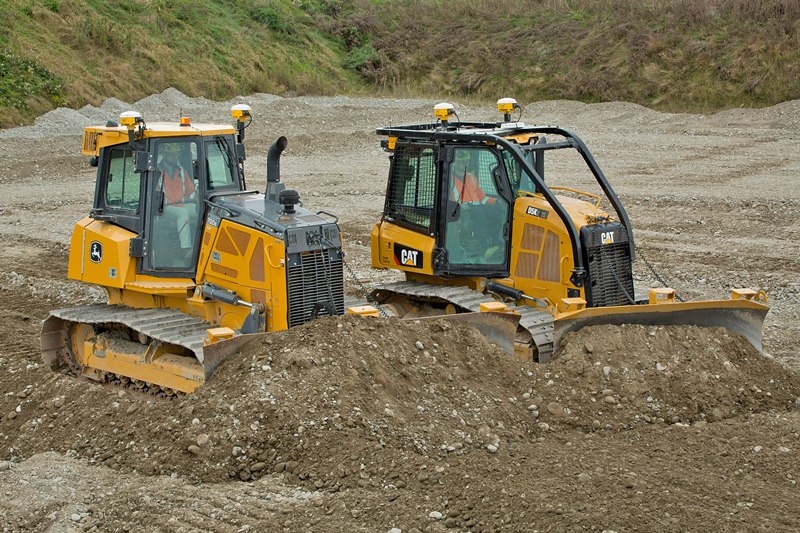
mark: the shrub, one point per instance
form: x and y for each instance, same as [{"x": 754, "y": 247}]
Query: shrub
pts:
[
  {"x": 270, "y": 17},
  {"x": 363, "y": 59},
  {"x": 22, "y": 78}
]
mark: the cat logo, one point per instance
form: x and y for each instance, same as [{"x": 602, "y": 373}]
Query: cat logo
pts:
[
  {"x": 408, "y": 257},
  {"x": 607, "y": 237}
]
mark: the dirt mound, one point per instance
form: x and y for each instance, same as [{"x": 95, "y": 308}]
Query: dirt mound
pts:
[
  {"x": 618, "y": 376},
  {"x": 350, "y": 401},
  {"x": 340, "y": 374}
]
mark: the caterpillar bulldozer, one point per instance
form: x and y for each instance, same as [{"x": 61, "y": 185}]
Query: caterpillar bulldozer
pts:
[
  {"x": 472, "y": 223},
  {"x": 194, "y": 263}
]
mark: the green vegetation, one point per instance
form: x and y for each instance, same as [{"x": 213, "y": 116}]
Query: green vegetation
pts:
[
  {"x": 673, "y": 55},
  {"x": 23, "y": 80}
]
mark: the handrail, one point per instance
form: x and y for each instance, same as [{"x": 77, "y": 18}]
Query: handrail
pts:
[{"x": 599, "y": 199}]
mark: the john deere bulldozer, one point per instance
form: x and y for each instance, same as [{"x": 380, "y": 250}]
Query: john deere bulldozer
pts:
[
  {"x": 193, "y": 261},
  {"x": 472, "y": 222}
]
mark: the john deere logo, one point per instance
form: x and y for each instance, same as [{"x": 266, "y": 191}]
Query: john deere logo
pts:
[
  {"x": 96, "y": 252},
  {"x": 409, "y": 257}
]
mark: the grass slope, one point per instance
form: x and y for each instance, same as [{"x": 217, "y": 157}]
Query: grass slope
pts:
[
  {"x": 89, "y": 51},
  {"x": 672, "y": 55}
]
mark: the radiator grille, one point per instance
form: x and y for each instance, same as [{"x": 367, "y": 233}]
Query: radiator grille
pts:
[
  {"x": 314, "y": 278},
  {"x": 609, "y": 265}
]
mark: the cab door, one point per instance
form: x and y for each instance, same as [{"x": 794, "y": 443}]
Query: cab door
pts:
[
  {"x": 176, "y": 208},
  {"x": 476, "y": 202}
]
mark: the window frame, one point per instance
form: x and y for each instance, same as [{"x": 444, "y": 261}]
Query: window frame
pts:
[
  {"x": 129, "y": 219},
  {"x": 236, "y": 182},
  {"x": 390, "y": 213},
  {"x": 127, "y": 160},
  {"x": 504, "y": 193}
]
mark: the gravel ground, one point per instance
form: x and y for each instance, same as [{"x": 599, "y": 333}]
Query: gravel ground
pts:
[{"x": 346, "y": 425}]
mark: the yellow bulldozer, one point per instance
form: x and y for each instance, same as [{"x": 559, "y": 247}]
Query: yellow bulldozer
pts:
[
  {"x": 194, "y": 263},
  {"x": 471, "y": 221}
]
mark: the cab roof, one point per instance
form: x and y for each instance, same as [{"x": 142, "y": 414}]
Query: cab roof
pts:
[
  {"x": 513, "y": 131},
  {"x": 96, "y": 137}
]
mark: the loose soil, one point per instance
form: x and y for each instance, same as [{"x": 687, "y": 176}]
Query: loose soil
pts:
[{"x": 359, "y": 424}]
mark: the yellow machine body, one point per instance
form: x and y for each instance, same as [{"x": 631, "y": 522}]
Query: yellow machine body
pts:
[
  {"x": 250, "y": 265},
  {"x": 564, "y": 256},
  {"x": 540, "y": 264},
  {"x": 174, "y": 313}
]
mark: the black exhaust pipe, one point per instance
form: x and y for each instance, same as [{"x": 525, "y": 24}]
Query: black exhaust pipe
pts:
[{"x": 274, "y": 160}]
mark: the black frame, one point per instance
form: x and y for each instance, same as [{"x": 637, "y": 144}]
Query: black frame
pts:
[{"x": 488, "y": 132}]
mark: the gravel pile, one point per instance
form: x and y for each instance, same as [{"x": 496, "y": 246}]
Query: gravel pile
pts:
[
  {"x": 314, "y": 400},
  {"x": 171, "y": 104}
]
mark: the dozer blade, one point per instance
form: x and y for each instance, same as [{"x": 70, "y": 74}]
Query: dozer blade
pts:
[
  {"x": 214, "y": 354},
  {"x": 499, "y": 327},
  {"x": 741, "y": 316}
]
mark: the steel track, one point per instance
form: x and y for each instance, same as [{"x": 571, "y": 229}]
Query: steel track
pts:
[{"x": 538, "y": 323}]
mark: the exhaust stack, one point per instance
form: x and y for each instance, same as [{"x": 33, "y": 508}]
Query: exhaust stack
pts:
[
  {"x": 274, "y": 186},
  {"x": 274, "y": 159}
]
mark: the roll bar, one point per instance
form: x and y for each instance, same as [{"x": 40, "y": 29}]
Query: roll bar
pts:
[{"x": 483, "y": 132}]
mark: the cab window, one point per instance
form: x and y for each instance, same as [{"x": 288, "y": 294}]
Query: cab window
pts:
[
  {"x": 518, "y": 177},
  {"x": 476, "y": 216},
  {"x": 412, "y": 186},
  {"x": 123, "y": 184},
  {"x": 218, "y": 164}
]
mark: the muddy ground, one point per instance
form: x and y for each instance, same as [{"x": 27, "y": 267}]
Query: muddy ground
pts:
[{"x": 347, "y": 425}]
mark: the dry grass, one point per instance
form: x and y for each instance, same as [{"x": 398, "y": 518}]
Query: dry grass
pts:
[
  {"x": 673, "y": 55},
  {"x": 217, "y": 49}
]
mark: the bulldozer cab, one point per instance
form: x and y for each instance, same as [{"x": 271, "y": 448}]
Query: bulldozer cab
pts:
[
  {"x": 482, "y": 198},
  {"x": 158, "y": 191},
  {"x": 463, "y": 195}
]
